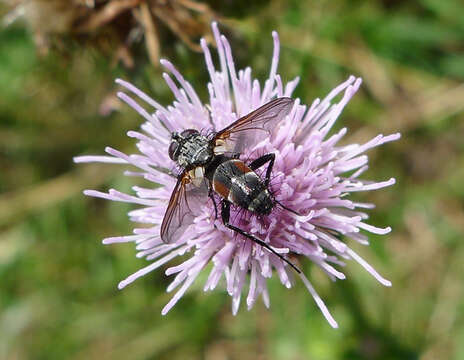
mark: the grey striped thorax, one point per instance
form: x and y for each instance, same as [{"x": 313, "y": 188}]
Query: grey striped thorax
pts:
[{"x": 190, "y": 149}]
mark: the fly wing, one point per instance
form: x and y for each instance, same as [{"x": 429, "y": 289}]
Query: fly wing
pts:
[
  {"x": 256, "y": 126},
  {"x": 184, "y": 205}
]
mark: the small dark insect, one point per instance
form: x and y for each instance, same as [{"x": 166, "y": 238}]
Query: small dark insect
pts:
[{"x": 211, "y": 164}]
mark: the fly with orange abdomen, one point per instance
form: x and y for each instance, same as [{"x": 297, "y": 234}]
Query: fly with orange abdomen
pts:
[{"x": 212, "y": 165}]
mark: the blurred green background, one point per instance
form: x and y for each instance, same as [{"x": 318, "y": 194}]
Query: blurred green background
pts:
[{"x": 58, "y": 287}]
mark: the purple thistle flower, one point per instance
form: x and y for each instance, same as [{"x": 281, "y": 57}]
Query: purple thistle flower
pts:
[{"x": 312, "y": 175}]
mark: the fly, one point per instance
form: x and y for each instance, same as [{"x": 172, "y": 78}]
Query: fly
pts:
[{"x": 212, "y": 165}]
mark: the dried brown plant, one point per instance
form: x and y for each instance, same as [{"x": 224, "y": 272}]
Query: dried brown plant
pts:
[{"x": 112, "y": 26}]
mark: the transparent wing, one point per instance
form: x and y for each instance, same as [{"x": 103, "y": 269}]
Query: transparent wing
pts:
[
  {"x": 184, "y": 205},
  {"x": 256, "y": 126}
]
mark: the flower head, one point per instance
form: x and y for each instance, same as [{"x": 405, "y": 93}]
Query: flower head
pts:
[{"x": 312, "y": 175}]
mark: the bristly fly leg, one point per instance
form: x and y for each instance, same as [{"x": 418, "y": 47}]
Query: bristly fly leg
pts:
[
  {"x": 225, "y": 214},
  {"x": 211, "y": 196},
  {"x": 256, "y": 164}
]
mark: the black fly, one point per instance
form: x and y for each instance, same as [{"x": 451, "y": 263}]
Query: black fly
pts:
[{"x": 212, "y": 164}]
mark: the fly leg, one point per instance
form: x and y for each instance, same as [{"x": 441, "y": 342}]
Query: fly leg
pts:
[
  {"x": 211, "y": 196},
  {"x": 225, "y": 214},
  {"x": 256, "y": 164}
]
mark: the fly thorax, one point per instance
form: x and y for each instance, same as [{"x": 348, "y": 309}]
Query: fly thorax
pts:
[{"x": 195, "y": 151}]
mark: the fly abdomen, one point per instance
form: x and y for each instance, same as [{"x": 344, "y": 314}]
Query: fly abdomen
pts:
[
  {"x": 262, "y": 203},
  {"x": 240, "y": 185}
]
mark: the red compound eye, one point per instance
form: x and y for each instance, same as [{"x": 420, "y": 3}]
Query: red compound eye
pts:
[
  {"x": 173, "y": 150},
  {"x": 189, "y": 132}
]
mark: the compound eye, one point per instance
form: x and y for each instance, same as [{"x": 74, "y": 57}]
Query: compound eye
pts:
[
  {"x": 173, "y": 149},
  {"x": 189, "y": 132}
]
